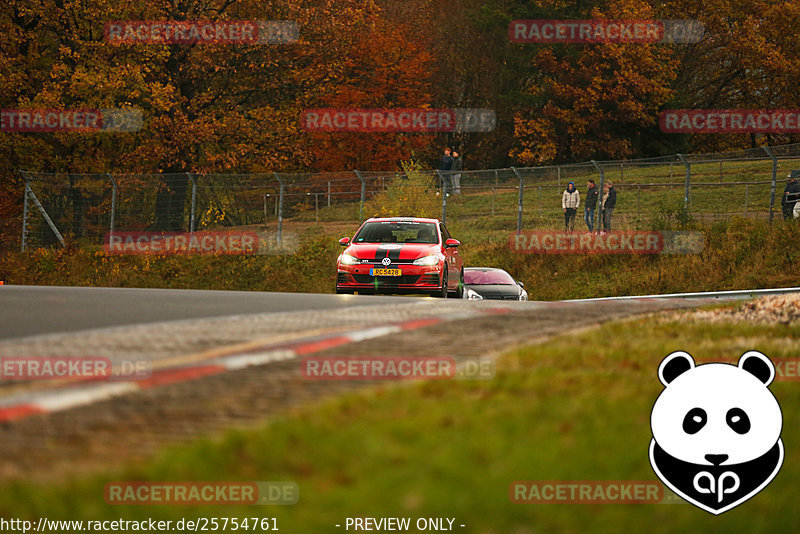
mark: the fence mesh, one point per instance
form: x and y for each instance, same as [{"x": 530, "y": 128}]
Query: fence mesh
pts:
[{"x": 84, "y": 208}]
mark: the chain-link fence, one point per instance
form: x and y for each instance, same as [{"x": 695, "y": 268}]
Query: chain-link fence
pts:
[{"x": 87, "y": 208}]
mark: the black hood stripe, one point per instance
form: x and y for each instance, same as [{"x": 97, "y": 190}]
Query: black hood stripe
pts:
[{"x": 394, "y": 254}]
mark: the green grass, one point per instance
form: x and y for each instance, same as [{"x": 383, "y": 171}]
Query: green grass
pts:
[
  {"x": 575, "y": 408},
  {"x": 743, "y": 254},
  {"x": 718, "y": 197}
]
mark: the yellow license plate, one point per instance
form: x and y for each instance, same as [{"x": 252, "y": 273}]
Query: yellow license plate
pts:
[{"x": 385, "y": 272}]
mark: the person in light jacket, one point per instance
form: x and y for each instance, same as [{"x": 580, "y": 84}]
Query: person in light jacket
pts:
[{"x": 570, "y": 200}]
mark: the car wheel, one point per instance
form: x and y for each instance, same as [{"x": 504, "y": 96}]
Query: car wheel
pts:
[
  {"x": 459, "y": 293},
  {"x": 443, "y": 290}
]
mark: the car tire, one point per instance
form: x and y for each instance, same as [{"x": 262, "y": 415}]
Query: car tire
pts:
[
  {"x": 442, "y": 293},
  {"x": 459, "y": 293}
]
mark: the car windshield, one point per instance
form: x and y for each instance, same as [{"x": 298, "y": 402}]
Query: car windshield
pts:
[
  {"x": 487, "y": 278},
  {"x": 397, "y": 232}
]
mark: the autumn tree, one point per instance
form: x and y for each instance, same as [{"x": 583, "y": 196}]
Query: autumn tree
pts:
[
  {"x": 383, "y": 69},
  {"x": 206, "y": 107},
  {"x": 595, "y": 100},
  {"x": 747, "y": 59}
]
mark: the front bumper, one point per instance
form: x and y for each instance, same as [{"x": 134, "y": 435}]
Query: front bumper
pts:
[{"x": 414, "y": 279}]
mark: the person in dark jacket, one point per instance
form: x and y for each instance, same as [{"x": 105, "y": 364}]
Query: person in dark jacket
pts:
[
  {"x": 591, "y": 204},
  {"x": 791, "y": 195},
  {"x": 445, "y": 164},
  {"x": 607, "y": 204},
  {"x": 455, "y": 176}
]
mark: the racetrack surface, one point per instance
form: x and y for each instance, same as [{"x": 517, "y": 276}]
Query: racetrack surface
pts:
[
  {"x": 37, "y": 310},
  {"x": 135, "y": 424}
]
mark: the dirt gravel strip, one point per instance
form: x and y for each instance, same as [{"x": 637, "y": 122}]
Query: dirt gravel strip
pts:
[
  {"x": 69, "y": 394},
  {"x": 127, "y": 428},
  {"x": 782, "y": 309}
]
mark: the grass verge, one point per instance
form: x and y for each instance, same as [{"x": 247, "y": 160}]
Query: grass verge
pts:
[
  {"x": 743, "y": 254},
  {"x": 574, "y": 408}
]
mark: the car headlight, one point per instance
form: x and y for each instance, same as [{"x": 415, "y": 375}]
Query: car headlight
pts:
[
  {"x": 427, "y": 260},
  {"x": 523, "y": 295},
  {"x": 347, "y": 259},
  {"x": 472, "y": 295}
]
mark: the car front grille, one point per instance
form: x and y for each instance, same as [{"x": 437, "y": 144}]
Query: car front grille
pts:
[
  {"x": 394, "y": 261},
  {"x": 387, "y": 280},
  {"x": 342, "y": 278},
  {"x": 499, "y": 296}
]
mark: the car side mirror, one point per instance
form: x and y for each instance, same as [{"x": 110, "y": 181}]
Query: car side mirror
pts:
[
  {"x": 451, "y": 243},
  {"x": 344, "y": 241},
  {"x": 520, "y": 284}
]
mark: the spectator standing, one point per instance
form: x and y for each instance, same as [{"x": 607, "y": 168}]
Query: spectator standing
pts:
[
  {"x": 607, "y": 204},
  {"x": 445, "y": 164},
  {"x": 590, "y": 205},
  {"x": 570, "y": 200},
  {"x": 791, "y": 195},
  {"x": 455, "y": 177}
]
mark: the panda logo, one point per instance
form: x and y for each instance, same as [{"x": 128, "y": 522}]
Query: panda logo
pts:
[{"x": 716, "y": 430}]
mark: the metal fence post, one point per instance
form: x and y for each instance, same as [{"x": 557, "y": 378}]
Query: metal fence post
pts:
[
  {"x": 363, "y": 195},
  {"x": 541, "y": 215},
  {"x": 280, "y": 209},
  {"x": 329, "y": 193},
  {"x": 638, "y": 204},
  {"x": 47, "y": 218},
  {"x": 444, "y": 195},
  {"x": 113, "y": 205},
  {"x": 746, "y": 196},
  {"x": 194, "y": 201},
  {"x": 772, "y": 184},
  {"x": 688, "y": 184},
  {"x": 519, "y": 200},
  {"x": 25, "y": 211},
  {"x": 600, "y": 195}
]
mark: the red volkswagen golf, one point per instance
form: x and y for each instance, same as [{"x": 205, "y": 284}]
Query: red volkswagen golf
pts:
[{"x": 401, "y": 255}]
